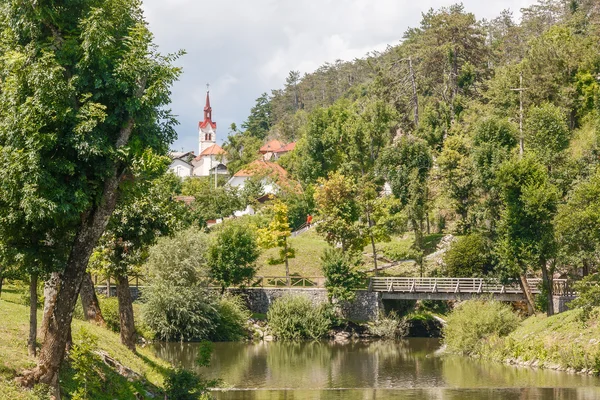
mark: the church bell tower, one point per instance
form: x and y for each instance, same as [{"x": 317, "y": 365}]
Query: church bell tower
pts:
[{"x": 207, "y": 129}]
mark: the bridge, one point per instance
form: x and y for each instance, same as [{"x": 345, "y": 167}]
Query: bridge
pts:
[{"x": 396, "y": 288}]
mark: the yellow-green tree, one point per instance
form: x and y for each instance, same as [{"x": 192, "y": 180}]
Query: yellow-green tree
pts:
[{"x": 276, "y": 235}]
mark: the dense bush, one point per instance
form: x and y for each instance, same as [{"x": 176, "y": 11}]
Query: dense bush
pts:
[
  {"x": 469, "y": 256},
  {"x": 177, "y": 304},
  {"x": 233, "y": 316},
  {"x": 179, "y": 312},
  {"x": 589, "y": 295},
  {"x": 342, "y": 275},
  {"x": 110, "y": 311},
  {"x": 474, "y": 321},
  {"x": 296, "y": 317}
]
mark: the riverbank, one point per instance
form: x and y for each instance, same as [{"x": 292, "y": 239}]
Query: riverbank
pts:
[
  {"x": 560, "y": 342},
  {"x": 147, "y": 371}
]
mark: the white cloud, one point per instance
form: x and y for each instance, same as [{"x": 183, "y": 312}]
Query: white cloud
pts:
[{"x": 244, "y": 48}]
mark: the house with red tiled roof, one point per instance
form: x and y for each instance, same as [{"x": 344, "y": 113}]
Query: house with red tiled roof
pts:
[
  {"x": 274, "y": 149},
  {"x": 272, "y": 176}
]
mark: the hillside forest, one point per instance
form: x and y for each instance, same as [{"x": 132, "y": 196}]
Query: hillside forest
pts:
[{"x": 486, "y": 129}]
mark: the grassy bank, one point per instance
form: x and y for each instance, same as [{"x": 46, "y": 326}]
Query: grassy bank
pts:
[
  {"x": 561, "y": 342},
  {"x": 13, "y": 358},
  {"x": 490, "y": 330}
]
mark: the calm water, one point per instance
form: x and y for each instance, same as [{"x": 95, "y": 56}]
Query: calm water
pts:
[{"x": 408, "y": 369}]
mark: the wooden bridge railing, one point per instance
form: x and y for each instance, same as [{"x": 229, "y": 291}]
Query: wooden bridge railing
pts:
[{"x": 460, "y": 285}]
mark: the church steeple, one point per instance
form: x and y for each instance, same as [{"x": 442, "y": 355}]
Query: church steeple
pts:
[
  {"x": 207, "y": 114},
  {"x": 207, "y": 129},
  {"x": 207, "y": 108}
]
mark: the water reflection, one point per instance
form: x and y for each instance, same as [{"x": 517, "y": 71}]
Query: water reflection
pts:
[{"x": 407, "y": 369}]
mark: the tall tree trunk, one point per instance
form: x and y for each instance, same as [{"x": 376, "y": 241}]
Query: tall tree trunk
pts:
[
  {"x": 50, "y": 292},
  {"x": 128, "y": 336},
  {"x": 547, "y": 279},
  {"x": 59, "y": 314},
  {"x": 92, "y": 226},
  {"x": 89, "y": 301},
  {"x": 528, "y": 295},
  {"x": 287, "y": 264},
  {"x": 33, "y": 299},
  {"x": 374, "y": 254}
]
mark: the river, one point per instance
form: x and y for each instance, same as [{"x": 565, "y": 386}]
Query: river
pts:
[{"x": 407, "y": 369}]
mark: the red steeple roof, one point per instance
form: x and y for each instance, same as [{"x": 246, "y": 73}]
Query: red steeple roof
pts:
[{"x": 207, "y": 115}]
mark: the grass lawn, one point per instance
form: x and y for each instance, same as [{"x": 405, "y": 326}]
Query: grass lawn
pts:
[
  {"x": 309, "y": 246},
  {"x": 14, "y": 331}
]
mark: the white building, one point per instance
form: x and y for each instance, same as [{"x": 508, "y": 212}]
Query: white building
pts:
[
  {"x": 211, "y": 157},
  {"x": 181, "y": 163}
]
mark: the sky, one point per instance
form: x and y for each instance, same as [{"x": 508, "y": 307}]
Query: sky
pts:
[{"x": 243, "y": 48}]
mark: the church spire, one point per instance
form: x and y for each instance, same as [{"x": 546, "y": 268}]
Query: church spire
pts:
[
  {"x": 207, "y": 114},
  {"x": 207, "y": 108}
]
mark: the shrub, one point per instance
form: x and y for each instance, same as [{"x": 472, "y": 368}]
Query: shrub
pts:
[
  {"x": 388, "y": 327},
  {"x": 589, "y": 295},
  {"x": 233, "y": 319},
  {"x": 84, "y": 361},
  {"x": 469, "y": 256},
  {"x": 177, "y": 306},
  {"x": 179, "y": 312},
  {"x": 110, "y": 312},
  {"x": 296, "y": 317},
  {"x": 181, "y": 384},
  {"x": 476, "y": 320},
  {"x": 341, "y": 274}
]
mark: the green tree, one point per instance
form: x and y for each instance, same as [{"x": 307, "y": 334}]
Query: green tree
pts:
[
  {"x": 526, "y": 231},
  {"x": 242, "y": 148},
  {"x": 493, "y": 141},
  {"x": 547, "y": 134},
  {"x": 469, "y": 257},
  {"x": 276, "y": 235},
  {"x": 97, "y": 104},
  {"x": 405, "y": 166},
  {"x": 177, "y": 305},
  {"x": 232, "y": 255},
  {"x": 259, "y": 121},
  {"x": 577, "y": 225},
  {"x": 458, "y": 178},
  {"x": 339, "y": 213},
  {"x": 210, "y": 202},
  {"x": 342, "y": 275},
  {"x": 381, "y": 216}
]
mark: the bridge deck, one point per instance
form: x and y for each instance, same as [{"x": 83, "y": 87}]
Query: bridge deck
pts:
[{"x": 454, "y": 288}]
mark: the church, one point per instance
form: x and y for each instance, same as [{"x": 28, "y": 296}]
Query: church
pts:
[{"x": 211, "y": 157}]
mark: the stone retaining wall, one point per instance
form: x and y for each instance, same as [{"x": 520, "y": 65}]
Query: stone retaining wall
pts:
[
  {"x": 561, "y": 303},
  {"x": 365, "y": 307}
]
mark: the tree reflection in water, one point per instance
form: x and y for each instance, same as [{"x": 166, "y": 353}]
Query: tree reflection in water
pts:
[{"x": 407, "y": 369}]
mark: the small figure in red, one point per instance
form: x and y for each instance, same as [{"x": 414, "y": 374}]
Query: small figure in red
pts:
[{"x": 308, "y": 220}]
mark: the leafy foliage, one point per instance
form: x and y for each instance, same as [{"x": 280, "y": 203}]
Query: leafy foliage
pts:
[
  {"x": 342, "y": 275},
  {"x": 277, "y": 234},
  {"x": 588, "y": 295},
  {"x": 339, "y": 211},
  {"x": 232, "y": 254},
  {"x": 469, "y": 256},
  {"x": 296, "y": 317},
  {"x": 474, "y": 321}
]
